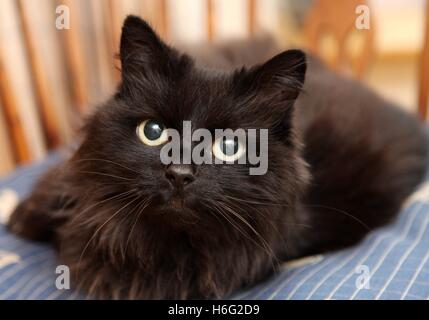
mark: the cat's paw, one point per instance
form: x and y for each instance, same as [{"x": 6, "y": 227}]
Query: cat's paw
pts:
[
  {"x": 8, "y": 202},
  {"x": 18, "y": 220},
  {"x": 29, "y": 222}
]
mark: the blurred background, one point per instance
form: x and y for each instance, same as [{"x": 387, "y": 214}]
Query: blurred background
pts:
[{"x": 57, "y": 57}]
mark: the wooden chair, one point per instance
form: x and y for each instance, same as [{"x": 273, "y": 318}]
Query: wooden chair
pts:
[
  {"x": 104, "y": 19},
  {"x": 339, "y": 23},
  {"x": 424, "y": 72},
  {"x": 21, "y": 152}
]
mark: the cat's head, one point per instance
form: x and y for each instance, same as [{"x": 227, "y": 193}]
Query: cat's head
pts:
[{"x": 119, "y": 158}]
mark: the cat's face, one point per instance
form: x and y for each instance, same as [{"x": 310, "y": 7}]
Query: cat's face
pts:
[{"x": 162, "y": 88}]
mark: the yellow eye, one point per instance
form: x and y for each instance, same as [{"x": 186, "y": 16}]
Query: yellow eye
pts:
[
  {"x": 228, "y": 149},
  {"x": 152, "y": 133}
]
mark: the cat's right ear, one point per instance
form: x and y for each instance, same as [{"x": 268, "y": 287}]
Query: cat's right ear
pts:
[
  {"x": 280, "y": 79},
  {"x": 141, "y": 50},
  {"x": 273, "y": 87}
]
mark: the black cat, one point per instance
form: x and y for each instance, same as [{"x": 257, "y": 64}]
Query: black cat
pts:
[{"x": 341, "y": 161}]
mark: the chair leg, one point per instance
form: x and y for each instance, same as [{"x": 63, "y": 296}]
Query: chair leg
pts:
[{"x": 424, "y": 72}]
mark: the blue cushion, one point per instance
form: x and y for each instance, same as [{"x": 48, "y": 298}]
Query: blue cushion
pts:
[{"x": 393, "y": 258}]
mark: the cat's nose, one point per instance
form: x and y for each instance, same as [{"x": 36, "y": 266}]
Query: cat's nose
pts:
[{"x": 180, "y": 175}]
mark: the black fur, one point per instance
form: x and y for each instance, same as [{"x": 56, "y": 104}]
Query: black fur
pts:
[{"x": 341, "y": 162}]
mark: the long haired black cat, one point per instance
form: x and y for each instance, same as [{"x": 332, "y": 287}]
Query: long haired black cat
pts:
[{"x": 341, "y": 161}]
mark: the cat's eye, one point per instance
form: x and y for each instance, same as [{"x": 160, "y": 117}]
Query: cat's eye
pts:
[
  {"x": 152, "y": 133},
  {"x": 228, "y": 149}
]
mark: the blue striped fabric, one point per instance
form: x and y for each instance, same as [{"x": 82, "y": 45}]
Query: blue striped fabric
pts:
[{"x": 394, "y": 259}]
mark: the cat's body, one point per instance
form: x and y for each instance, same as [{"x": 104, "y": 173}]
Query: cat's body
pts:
[
  {"x": 341, "y": 162},
  {"x": 361, "y": 149},
  {"x": 366, "y": 156}
]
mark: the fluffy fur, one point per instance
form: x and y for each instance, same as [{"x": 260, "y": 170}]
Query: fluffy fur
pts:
[{"x": 341, "y": 162}]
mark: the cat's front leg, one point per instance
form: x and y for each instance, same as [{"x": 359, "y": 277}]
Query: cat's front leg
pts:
[{"x": 39, "y": 215}]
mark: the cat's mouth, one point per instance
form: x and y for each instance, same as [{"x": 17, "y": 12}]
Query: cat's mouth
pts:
[{"x": 175, "y": 203}]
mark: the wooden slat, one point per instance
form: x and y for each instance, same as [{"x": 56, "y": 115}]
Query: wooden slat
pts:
[
  {"x": 251, "y": 20},
  {"x": 210, "y": 20},
  {"x": 10, "y": 111},
  {"x": 115, "y": 27},
  {"x": 424, "y": 72},
  {"x": 103, "y": 47},
  {"x": 115, "y": 11},
  {"x": 7, "y": 160},
  {"x": 75, "y": 59},
  {"x": 161, "y": 20},
  {"x": 40, "y": 82}
]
